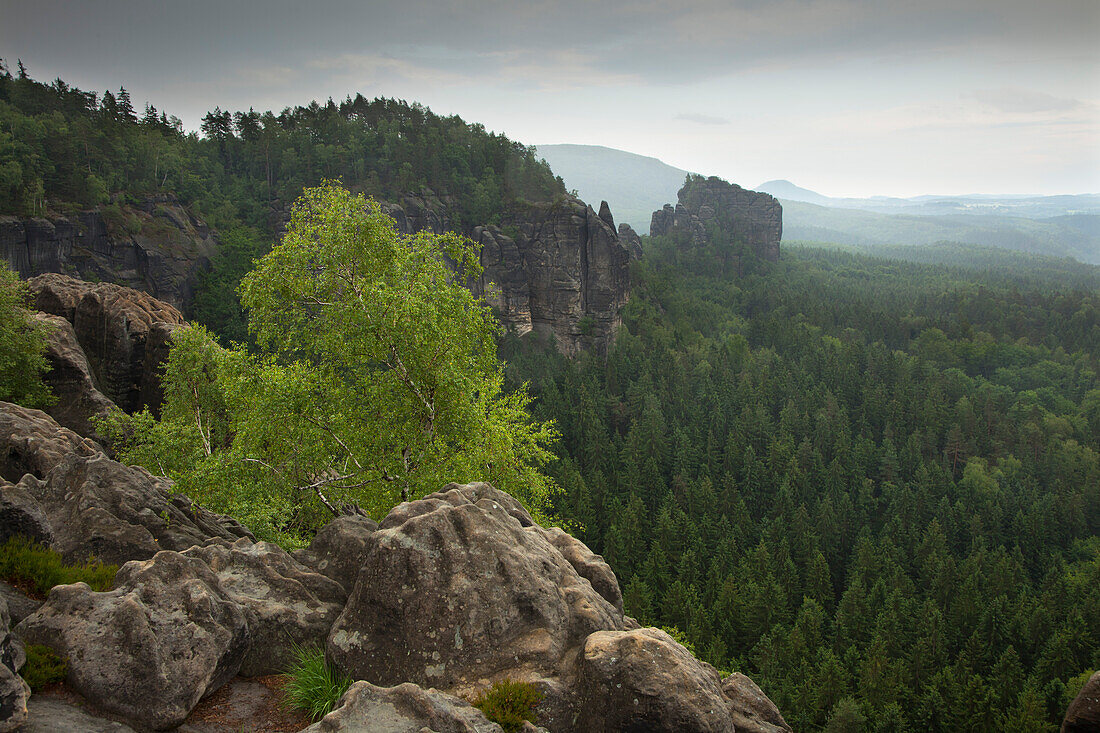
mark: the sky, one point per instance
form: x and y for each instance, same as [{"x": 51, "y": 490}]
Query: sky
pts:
[{"x": 844, "y": 97}]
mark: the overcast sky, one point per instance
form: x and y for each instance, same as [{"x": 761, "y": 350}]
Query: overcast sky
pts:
[{"x": 845, "y": 97}]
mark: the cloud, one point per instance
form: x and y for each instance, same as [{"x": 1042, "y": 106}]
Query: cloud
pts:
[
  {"x": 1025, "y": 101},
  {"x": 701, "y": 119}
]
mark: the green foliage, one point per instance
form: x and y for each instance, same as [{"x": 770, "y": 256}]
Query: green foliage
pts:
[
  {"x": 849, "y": 478},
  {"x": 376, "y": 380},
  {"x": 312, "y": 684},
  {"x": 43, "y": 667},
  {"x": 22, "y": 346},
  {"x": 30, "y": 564},
  {"x": 509, "y": 704}
]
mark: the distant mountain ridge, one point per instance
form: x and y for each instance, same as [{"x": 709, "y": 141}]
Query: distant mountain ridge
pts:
[{"x": 633, "y": 185}]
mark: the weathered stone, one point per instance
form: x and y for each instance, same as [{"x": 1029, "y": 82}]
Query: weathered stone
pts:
[
  {"x": 14, "y": 692},
  {"x": 50, "y": 715},
  {"x": 1083, "y": 715},
  {"x": 164, "y": 257},
  {"x": 404, "y": 708},
  {"x": 643, "y": 680},
  {"x": 150, "y": 649},
  {"x": 97, "y": 506},
  {"x": 124, "y": 333},
  {"x": 338, "y": 548},
  {"x": 71, "y": 380},
  {"x": 287, "y": 604},
  {"x": 455, "y": 588},
  {"x": 630, "y": 240},
  {"x": 750, "y": 708},
  {"x": 711, "y": 204},
  {"x": 20, "y": 513},
  {"x": 588, "y": 565}
]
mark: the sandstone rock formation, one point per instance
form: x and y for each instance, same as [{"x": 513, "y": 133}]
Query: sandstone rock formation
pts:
[
  {"x": 750, "y": 708},
  {"x": 94, "y": 505},
  {"x": 403, "y": 708},
  {"x": 337, "y": 550},
  {"x": 1084, "y": 712},
  {"x": 708, "y": 205},
  {"x": 14, "y": 692},
  {"x": 160, "y": 248},
  {"x": 71, "y": 380},
  {"x": 455, "y": 588},
  {"x": 150, "y": 649},
  {"x": 124, "y": 334},
  {"x": 287, "y": 604}
]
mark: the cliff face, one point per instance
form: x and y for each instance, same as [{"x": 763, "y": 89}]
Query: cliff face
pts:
[
  {"x": 560, "y": 269},
  {"x": 708, "y": 205},
  {"x": 160, "y": 248}
]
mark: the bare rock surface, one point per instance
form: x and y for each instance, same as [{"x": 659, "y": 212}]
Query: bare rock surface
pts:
[
  {"x": 20, "y": 605},
  {"x": 150, "y": 649},
  {"x": 589, "y": 565},
  {"x": 287, "y": 604},
  {"x": 337, "y": 550},
  {"x": 644, "y": 680},
  {"x": 14, "y": 692},
  {"x": 20, "y": 513},
  {"x": 50, "y": 715},
  {"x": 1084, "y": 712},
  {"x": 740, "y": 216},
  {"x": 97, "y": 506},
  {"x": 751, "y": 709},
  {"x": 124, "y": 334},
  {"x": 404, "y": 708},
  {"x": 455, "y": 587},
  {"x": 71, "y": 380}
]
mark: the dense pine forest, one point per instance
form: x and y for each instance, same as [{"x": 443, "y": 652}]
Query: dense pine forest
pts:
[{"x": 872, "y": 486}]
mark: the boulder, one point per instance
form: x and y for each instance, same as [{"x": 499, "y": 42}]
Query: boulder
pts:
[
  {"x": 462, "y": 586},
  {"x": 589, "y": 565},
  {"x": 49, "y": 715},
  {"x": 20, "y": 513},
  {"x": 70, "y": 378},
  {"x": 124, "y": 334},
  {"x": 405, "y": 708},
  {"x": 643, "y": 680},
  {"x": 751, "y": 709},
  {"x": 287, "y": 604},
  {"x": 14, "y": 692},
  {"x": 1083, "y": 715},
  {"x": 20, "y": 605},
  {"x": 94, "y": 505},
  {"x": 338, "y": 548},
  {"x": 150, "y": 649}
]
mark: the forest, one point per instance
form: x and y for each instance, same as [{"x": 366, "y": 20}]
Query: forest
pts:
[{"x": 871, "y": 485}]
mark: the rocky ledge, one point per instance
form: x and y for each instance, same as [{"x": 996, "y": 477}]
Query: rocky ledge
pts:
[{"x": 444, "y": 597}]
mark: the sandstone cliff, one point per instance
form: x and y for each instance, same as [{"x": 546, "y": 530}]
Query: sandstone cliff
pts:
[
  {"x": 156, "y": 246},
  {"x": 711, "y": 207}
]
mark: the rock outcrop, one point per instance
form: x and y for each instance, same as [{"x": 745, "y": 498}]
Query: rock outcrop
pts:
[
  {"x": 95, "y": 506},
  {"x": 750, "y": 708},
  {"x": 338, "y": 549},
  {"x": 150, "y": 649},
  {"x": 14, "y": 692},
  {"x": 1084, "y": 712},
  {"x": 156, "y": 246},
  {"x": 559, "y": 269},
  {"x": 403, "y": 708},
  {"x": 70, "y": 378},
  {"x": 124, "y": 334},
  {"x": 712, "y": 207}
]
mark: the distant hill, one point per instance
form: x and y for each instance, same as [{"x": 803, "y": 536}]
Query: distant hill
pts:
[
  {"x": 634, "y": 186},
  {"x": 782, "y": 189}
]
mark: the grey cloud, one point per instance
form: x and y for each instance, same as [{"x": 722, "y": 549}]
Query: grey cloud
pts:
[
  {"x": 700, "y": 119},
  {"x": 1025, "y": 101}
]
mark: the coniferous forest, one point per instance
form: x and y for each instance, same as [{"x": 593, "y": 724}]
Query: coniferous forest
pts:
[{"x": 872, "y": 485}]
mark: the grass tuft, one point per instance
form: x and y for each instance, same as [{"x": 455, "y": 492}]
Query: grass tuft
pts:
[
  {"x": 313, "y": 685},
  {"x": 31, "y": 566},
  {"x": 509, "y": 704}
]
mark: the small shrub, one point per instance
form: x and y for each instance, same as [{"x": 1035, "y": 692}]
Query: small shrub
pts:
[
  {"x": 44, "y": 667},
  {"x": 313, "y": 685},
  {"x": 509, "y": 704},
  {"x": 37, "y": 569}
]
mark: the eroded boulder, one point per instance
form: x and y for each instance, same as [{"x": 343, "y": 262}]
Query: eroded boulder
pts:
[
  {"x": 1084, "y": 712},
  {"x": 150, "y": 649},
  {"x": 644, "y": 680},
  {"x": 338, "y": 549},
  {"x": 404, "y": 708},
  {"x": 287, "y": 604},
  {"x": 751, "y": 709},
  {"x": 20, "y": 513},
  {"x": 70, "y": 377},
  {"x": 32, "y": 442},
  {"x": 14, "y": 692},
  {"x": 462, "y": 586}
]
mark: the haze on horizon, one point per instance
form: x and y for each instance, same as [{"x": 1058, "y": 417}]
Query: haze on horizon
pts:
[{"x": 844, "y": 97}]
